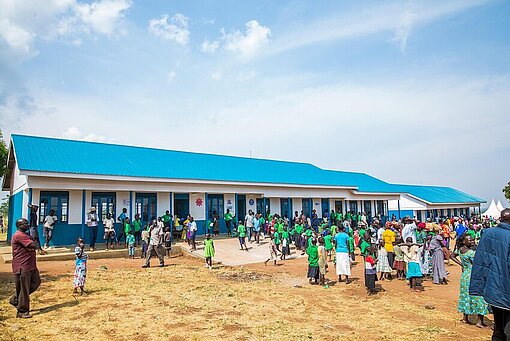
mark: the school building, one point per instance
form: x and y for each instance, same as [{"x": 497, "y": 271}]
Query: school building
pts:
[
  {"x": 71, "y": 176},
  {"x": 423, "y": 202}
]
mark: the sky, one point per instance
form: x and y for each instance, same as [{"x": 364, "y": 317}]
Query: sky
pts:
[{"x": 413, "y": 92}]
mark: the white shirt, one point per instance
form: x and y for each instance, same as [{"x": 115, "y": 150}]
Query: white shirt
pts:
[
  {"x": 49, "y": 221},
  {"x": 193, "y": 226},
  {"x": 379, "y": 233},
  {"x": 408, "y": 231},
  {"x": 109, "y": 224},
  {"x": 249, "y": 220}
]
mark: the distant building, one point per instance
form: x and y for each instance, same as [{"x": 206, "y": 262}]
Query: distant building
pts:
[{"x": 70, "y": 176}]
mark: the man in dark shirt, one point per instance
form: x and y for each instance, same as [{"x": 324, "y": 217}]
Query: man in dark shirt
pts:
[
  {"x": 24, "y": 268},
  {"x": 34, "y": 230}
]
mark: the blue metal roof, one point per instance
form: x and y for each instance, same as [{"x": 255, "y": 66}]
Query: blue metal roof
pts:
[
  {"x": 438, "y": 195},
  {"x": 44, "y": 154}
]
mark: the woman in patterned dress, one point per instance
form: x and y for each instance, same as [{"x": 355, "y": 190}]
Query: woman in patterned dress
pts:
[
  {"x": 80, "y": 273},
  {"x": 468, "y": 305}
]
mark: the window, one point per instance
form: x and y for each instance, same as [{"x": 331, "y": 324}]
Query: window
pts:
[
  {"x": 284, "y": 207},
  {"x": 215, "y": 206},
  {"x": 104, "y": 204},
  {"x": 145, "y": 205},
  {"x": 57, "y": 201},
  {"x": 307, "y": 207}
]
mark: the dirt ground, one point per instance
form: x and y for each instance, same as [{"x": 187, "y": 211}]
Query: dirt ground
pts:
[{"x": 186, "y": 301}]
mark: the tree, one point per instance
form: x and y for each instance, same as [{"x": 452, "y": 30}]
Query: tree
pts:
[
  {"x": 506, "y": 190},
  {"x": 3, "y": 155},
  {"x": 4, "y": 207}
]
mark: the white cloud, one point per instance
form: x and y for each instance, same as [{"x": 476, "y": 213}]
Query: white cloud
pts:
[
  {"x": 248, "y": 43},
  {"x": 175, "y": 28},
  {"x": 102, "y": 16},
  {"x": 23, "y": 23},
  {"x": 170, "y": 77},
  {"x": 393, "y": 17},
  {"x": 217, "y": 75},
  {"x": 403, "y": 30},
  {"x": 209, "y": 47},
  {"x": 246, "y": 76},
  {"x": 72, "y": 133}
]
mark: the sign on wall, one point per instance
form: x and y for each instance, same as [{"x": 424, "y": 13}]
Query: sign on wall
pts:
[
  {"x": 199, "y": 202},
  {"x": 251, "y": 202}
]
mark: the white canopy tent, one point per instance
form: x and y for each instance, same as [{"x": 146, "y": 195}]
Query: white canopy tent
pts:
[
  {"x": 492, "y": 211},
  {"x": 500, "y": 206}
]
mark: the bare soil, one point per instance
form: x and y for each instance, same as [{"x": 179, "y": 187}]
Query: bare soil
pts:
[{"x": 186, "y": 301}]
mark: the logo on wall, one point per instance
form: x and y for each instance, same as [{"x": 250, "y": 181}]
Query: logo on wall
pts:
[
  {"x": 229, "y": 202},
  {"x": 317, "y": 203},
  {"x": 199, "y": 202},
  {"x": 251, "y": 202}
]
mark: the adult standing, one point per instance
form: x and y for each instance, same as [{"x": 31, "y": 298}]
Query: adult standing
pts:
[
  {"x": 122, "y": 218},
  {"x": 409, "y": 229},
  {"x": 156, "y": 240},
  {"x": 490, "y": 277},
  {"x": 49, "y": 223},
  {"x": 256, "y": 228},
  {"x": 192, "y": 229},
  {"x": 438, "y": 268},
  {"x": 343, "y": 266},
  {"x": 248, "y": 222},
  {"x": 228, "y": 222},
  {"x": 92, "y": 223},
  {"x": 33, "y": 224},
  {"x": 388, "y": 237},
  {"x": 24, "y": 268},
  {"x": 314, "y": 221},
  {"x": 468, "y": 305}
]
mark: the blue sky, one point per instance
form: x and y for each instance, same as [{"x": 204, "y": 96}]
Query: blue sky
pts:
[{"x": 407, "y": 91}]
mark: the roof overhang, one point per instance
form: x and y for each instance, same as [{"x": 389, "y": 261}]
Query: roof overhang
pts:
[
  {"x": 173, "y": 180},
  {"x": 474, "y": 203}
]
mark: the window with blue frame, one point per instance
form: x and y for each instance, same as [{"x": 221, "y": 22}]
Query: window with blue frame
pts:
[{"x": 57, "y": 201}]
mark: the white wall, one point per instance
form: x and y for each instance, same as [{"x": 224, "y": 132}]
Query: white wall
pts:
[
  {"x": 75, "y": 207},
  {"x": 297, "y": 205},
  {"x": 229, "y": 202},
  {"x": 251, "y": 207},
  {"x": 18, "y": 182},
  {"x": 163, "y": 203},
  {"x": 317, "y": 206},
  {"x": 122, "y": 201},
  {"x": 406, "y": 203},
  {"x": 275, "y": 206},
  {"x": 198, "y": 212}
]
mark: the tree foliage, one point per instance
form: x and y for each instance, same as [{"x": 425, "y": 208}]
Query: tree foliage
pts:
[
  {"x": 506, "y": 190},
  {"x": 4, "y": 207},
  {"x": 3, "y": 155}
]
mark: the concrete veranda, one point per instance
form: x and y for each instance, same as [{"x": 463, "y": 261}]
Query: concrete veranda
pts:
[{"x": 228, "y": 252}]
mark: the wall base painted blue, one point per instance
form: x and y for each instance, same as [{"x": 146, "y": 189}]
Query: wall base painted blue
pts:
[{"x": 403, "y": 213}]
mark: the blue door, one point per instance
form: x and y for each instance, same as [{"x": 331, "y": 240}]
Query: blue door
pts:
[
  {"x": 104, "y": 204},
  {"x": 181, "y": 205},
  {"x": 307, "y": 207},
  {"x": 285, "y": 209},
  {"x": 241, "y": 207},
  {"x": 325, "y": 207},
  {"x": 145, "y": 206}
]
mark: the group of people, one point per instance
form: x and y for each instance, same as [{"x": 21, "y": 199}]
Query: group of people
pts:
[{"x": 406, "y": 250}]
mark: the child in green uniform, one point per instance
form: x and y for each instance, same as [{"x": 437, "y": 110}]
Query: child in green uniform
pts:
[
  {"x": 313, "y": 262},
  {"x": 285, "y": 243},
  {"x": 241, "y": 230},
  {"x": 127, "y": 228},
  {"x": 351, "y": 248},
  {"x": 277, "y": 241},
  {"x": 298, "y": 230},
  {"x": 328, "y": 245},
  {"x": 208, "y": 251}
]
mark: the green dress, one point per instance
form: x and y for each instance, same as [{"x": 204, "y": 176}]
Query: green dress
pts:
[
  {"x": 208, "y": 248},
  {"x": 468, "y": 304}
]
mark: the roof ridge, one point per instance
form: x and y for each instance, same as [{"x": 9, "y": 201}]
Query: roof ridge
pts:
[{"x": 159, "y": 149}]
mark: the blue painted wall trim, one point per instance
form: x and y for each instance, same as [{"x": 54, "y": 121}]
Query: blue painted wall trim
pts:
[
  {"x": 131, "y": 205},
  {"x": 83, "y": 198},
  {"x": 15, "y": 212},
  {"x": 29, "y": 201}
]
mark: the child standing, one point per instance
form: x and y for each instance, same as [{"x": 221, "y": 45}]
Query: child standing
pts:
[
  {"x": 80, "y": 273},
  {"x": 208, "y": 251},
  {"x": 398, "y": 263},
  {"x": 383, "y": 266},
  {"x": 277, "y": 242},
  {"x": 241, "y": 229},
  {"x": 131, "y": 241},
  {"x": 145, "y": 243},
  {"x": 370, "y": 271},
  {"x": 328, "y": 245},
  {"x": 411, "y": 254},
  {"x": 313, "y": 262},
  {"x": 322, "y": 262},
  {"x": 127, "y": 228},
  {"x": 273, "y": 252},
  {"x": 168, "y": 241},
  {"x": 109, "y": 231}
]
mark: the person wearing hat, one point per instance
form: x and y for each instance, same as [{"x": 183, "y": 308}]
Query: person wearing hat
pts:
[
  {"x": 34, "y": 231},
  {"x": 92, "y": 224}
]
